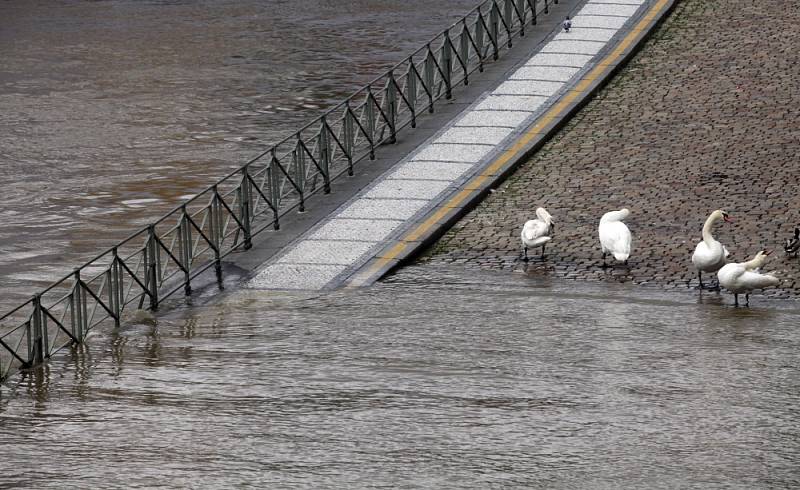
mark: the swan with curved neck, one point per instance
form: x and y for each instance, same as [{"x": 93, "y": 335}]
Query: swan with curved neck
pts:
[
  {"x": 537, "y": 232},
  {"x": 710, "y": 255},
  {"x": 615, "y": 237},
  {"x": 743, "y": 277}
]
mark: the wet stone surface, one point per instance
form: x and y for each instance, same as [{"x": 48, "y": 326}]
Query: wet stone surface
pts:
[{"x": 704, "y": 117}]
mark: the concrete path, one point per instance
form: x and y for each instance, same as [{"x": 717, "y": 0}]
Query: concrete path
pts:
[{"x": 350, "y": 245}]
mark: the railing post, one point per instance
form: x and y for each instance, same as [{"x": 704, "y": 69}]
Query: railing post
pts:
[
  {"x": 508, "y": 6},
  {"x": 546, "y": 9},
  {"x": 110, "y": 283},
  {"x": 463, "y": 50},
  {"x": 369, "y": 112},
  {"x": 348, "y": 129},
  {"x": 494, "y": 29},
  {"x": 29, "y": 336},
  {"x": 185, "y": 242},
  {"x": 532, "y": 3},
  {"x": 152, "y": 267},
  {"x": 274, "y": 189},
  {"x": 299, "y": 157},
  {"x": 38, "y": 341},
  {"x": 324, "y": 155},
  {"x": 428, "y": 74},
  {"x": 411, "y": 91},
  {"x": 479, "y": 39},
  {"x": 74, "y": 313},
  {"x": 215, "y": 224},
  {"x": 391, "y": 107},
  {"x": 79, "y": 305},
  {"x": 245, "y": 203},
  {"x": 84, "y": 310},
  {"x": 447, "y": 64},
  {"x": 520, "y": 7},
  {"x": 115, "y": 287}
]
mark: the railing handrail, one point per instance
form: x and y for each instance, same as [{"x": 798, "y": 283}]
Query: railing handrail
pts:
[{"x": 223, "y": 217}]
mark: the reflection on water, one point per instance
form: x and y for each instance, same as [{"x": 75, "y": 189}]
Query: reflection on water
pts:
[
  {"x": 436, "y": 378},
  {"x": 112, "y": 112}
]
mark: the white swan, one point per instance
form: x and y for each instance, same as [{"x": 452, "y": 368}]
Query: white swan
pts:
[
  {"x": 710, "y": 255},
  {"x": 615, "y": 237},
  {"x": 536, "y": 232},
  {"x": 743, "y": 277}
]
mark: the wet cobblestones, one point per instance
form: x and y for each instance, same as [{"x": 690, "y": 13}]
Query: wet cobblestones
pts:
[{"x": 706, "y": 116}]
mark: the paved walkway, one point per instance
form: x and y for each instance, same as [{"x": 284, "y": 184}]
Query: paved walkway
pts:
[
  {"x": 340, "y": 245},
  {"x": 704, "y": 117}
]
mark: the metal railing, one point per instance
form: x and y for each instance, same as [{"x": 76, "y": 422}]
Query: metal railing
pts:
[{"x": 163, "y": 258}]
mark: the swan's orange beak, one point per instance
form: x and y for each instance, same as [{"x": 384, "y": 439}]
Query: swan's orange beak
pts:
[
  {"x": 727, "y": 219},
  {"x": 767, "y": 252}
]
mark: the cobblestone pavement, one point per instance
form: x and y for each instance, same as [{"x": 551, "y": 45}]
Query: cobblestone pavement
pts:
[{"x": 706, "y": 116}]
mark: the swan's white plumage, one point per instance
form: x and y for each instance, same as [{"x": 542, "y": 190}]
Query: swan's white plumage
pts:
[
  {"x": 535, "y": 232},
  {"x": 710, "y": 255},
  {"x": 743, "y": 277},
  {"x": 615, "y": 237}
]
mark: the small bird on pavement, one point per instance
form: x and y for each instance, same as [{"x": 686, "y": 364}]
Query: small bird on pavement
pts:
[
  {"x": 567, "y": 24},
  {"x": 793, "y": 244}
]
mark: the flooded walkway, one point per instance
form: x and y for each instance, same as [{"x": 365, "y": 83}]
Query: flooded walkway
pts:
[
  {"x": 112, "y": 113},
  {"x": 435, "y": 378},
  {"x": 440, "y": 376}
]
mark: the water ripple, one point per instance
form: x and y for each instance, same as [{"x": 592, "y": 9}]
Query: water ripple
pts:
[{"x": 497, "y": 381}]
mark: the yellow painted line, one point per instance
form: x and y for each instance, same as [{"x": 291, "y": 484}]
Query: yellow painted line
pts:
[
  {"x": 514, "y": 150},
  {"x": 457, "y": 199},
  {"x": 397, "y": 249},
  {"x": 421, "y": 229}
]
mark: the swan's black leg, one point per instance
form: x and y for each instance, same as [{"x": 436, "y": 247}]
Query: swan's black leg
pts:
[
  {"x": 525, "y": 251},
  {"x": 542, "y": 256},
  {"x": 747, "y": 299},
  {"x": 735, "y": 299},
  {"x": 605, "y": 266},
  {"x": 700, "y": 278}
]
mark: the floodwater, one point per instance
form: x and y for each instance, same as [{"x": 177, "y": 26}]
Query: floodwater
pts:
[
  {"x": 114, "y": 111},
  {"x": 435, "y": 378}
]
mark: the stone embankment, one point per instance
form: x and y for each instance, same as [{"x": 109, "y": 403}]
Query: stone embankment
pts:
[{"x": 706, "y": 116}]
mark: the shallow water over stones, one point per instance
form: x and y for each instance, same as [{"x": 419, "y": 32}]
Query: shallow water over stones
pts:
[{"x": 437, "y": 377}]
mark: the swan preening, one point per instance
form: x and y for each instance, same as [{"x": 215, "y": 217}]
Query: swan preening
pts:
[
  {"x": 615, "y": 237},
  {"x": 744, "y": 277},
  {"x": 537, "y": 232},
  {"x": 710, "y": 255}
]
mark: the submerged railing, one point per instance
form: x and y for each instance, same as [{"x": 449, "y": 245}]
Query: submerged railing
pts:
[{"x": 163, "y": 258}]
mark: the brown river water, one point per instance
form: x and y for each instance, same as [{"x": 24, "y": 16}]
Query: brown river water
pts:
[
  {"x": 438, "y": 377},
  {"x": 112, "y": 112},
  {"x": 435, "y": 378}
]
